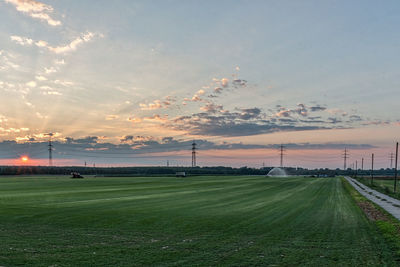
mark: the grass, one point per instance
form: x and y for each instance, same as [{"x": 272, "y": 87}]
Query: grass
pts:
[
  {"x": 383, "y": 186},
  {"x": 386, "y": 223},
  {"x": 202, "y": 221}
]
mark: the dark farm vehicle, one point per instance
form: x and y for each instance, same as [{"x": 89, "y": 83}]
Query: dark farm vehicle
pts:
[{"x": 76, "y": 175}]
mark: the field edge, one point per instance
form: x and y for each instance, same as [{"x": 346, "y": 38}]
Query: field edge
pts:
[{"x": 388, "y": 225}]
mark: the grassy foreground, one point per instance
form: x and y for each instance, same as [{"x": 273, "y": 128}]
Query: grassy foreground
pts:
[{"x": 237, "y": 221}]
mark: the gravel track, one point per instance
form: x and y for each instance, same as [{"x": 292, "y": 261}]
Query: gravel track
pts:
[{"x": 388, "y": 203}]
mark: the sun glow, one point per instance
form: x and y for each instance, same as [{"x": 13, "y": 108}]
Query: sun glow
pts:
[{"x": 24, "y": 159}]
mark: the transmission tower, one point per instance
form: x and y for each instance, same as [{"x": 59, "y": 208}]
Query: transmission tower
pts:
[
  {"x": 281, "y": 150},
  {"x": 50, "y": 152},
  {"x": 345, "y": 157},
  {"x": 391, "y": 157},
  {"x": 193, "y": 154}
]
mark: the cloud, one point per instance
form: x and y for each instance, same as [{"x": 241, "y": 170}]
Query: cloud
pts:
[
  {"x": 283, "y": 113},
  {"x": 111, "y": 117},
  {"x": 197, "y": 96},
  {"x": 3, "y": 119},
  {"x": 301, "y": 110},
  {"x": 41, "y": 116},
  {"x": 64, "y": 83},
  {"x": 134, "y": 120},
  {"x": 354, "y": 118},
  {"x": 239, "y": 83},
  {"x": 50, "y": 70},
  {"x": 224, "y": 82},
  {"x": 47, "y": 90},
  {"x": 31, "y": 84},
  {"x": 13, "y": 130},
  {"x": 249, "y": 113},
  {"x": 7, "y": 61},
  {"x": 212, "y": 108},
  {"x": 215, "y": 121},
  {"x": 376, "y": 122},
  {"x": 151, "y": 106},
  {"x": 231, "y": 125},
  {"x": 40, "y": 78},
  {"x": 317, "y": 108},
  {"x": 156, "y": 118},
  {"x": 35, "y": 10},
  {"x": 72, "y": 46},
  {"x": 220, "y": 85},
  {"x": 21, "y": 40},
  {"x": 59, "y": 62},
  {"x": 158, "y": 104},
  {"x": 85, "y": 140},
  {"x": 218, "y": 90}
]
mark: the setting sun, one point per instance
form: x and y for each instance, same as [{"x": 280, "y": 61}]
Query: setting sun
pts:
[{"x": 24, "y": 159}]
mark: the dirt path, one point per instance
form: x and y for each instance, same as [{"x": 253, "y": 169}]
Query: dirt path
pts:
[{"x": 389, "y": 204}]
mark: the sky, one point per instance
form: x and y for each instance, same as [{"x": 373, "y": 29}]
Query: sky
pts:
[{"x": 133, "y": 83}]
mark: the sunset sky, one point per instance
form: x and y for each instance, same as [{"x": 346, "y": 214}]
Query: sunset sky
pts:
[{"x": 121, "y": 83}]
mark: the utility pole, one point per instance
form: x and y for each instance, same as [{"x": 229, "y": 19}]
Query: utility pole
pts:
[
  {"x": 345, "y": 157},
  {"x": 282, "y": 149},
  {"x": 85, "y": 164},
  {"x": 395, "y": 166},
  {"x": 167, "y": 163},
  {"x": 50, "y": 152},
  {"x": 356, "y": 168},
  {"x": 193, "y": 154},
  {"x": 362, "y": 167},
  {"x": 372, "y": 169}
]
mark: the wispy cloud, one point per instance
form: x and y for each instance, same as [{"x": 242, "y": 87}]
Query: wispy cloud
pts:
[
  {"x": 47, "y": 90},
  {"x": 72, "y": 46},
  {"x": 7, "y": 61},
  {"x": 158, "y": 104},
  {"x": 21, "y": 40},
  {"x": 155, "y": 105},
  {"x": 64, "y": 83},
  {"x": 35, "y": 10},
  {"x": 111, "y": 117}
]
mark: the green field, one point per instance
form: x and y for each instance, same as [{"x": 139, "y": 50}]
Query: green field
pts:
[{"x": 209, "y": 221}]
